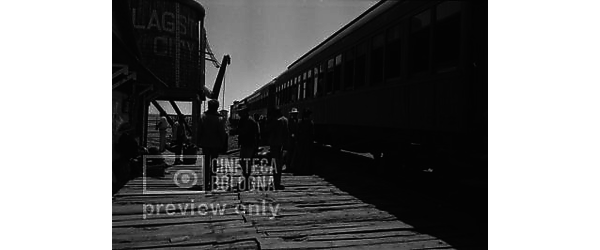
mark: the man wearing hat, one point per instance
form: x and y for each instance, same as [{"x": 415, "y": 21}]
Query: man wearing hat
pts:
[
  {"x": 248, "y": 138},
  {"x": 278, "y": 139},
  {"x": 212, "y": 139}
]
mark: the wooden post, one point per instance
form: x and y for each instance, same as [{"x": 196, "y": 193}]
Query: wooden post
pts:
[
  {"x": 163, "y": 112},
  {"x": 176, "y": 108}
]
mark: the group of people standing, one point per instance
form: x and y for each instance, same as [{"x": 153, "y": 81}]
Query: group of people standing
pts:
[
  {"x": 290, "y": 141},
  {"x": 212, "y": 137},
  {"x": 179, "y": 134}
]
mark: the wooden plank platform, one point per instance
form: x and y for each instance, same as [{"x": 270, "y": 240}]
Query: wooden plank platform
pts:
[{"x": 309, "y": 213}]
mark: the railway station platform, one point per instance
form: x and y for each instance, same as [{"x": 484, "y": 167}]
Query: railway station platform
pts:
[{"x": 338, "y": 208}]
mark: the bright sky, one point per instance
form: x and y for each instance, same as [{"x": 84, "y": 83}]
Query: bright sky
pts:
[{"x": 263, "y": 37}]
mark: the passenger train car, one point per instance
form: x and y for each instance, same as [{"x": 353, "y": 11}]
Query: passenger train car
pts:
[{"x": 403, "y": 73}]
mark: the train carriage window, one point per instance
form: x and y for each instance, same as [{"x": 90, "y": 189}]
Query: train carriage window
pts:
[
  {"x": 294, "y": 91},
  {"x": 309, "y": 84},
  {"x": 349, "y": 70},
  {"x": 361, "y": 65},
  {"x": 301, "y": 87},
  {"x": 392, "y": 54},
  {"x": 329, "y": 77},
  {"x": 337, "y": 73},
  {"x": 298, "y": 86},
  {"x": 303, "y": 90},
  {"x": 322, "y": 78},
  {"x": 447, "y": 36},
  {"x": 377, "y": 59},
  {"x": 304, "y": 79},
  {"x": 419, "y": 42},
  {"x": 282, "y": 93},
  {"x": 299, "y": 90},
  {"x": 316, "y": 81},
  {"x": 287, "y": 92},
  {"x": 277, "y": 95}
]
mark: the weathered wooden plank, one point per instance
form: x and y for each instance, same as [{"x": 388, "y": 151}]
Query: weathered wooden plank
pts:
[
  {"x": 287, "y": 210},
  {"x": 396, "y": 246},
  {"x": 396, "y": 243},
  {"x": 301, "y": 200},
  {"x": 173, "y": 193},
  {"x": 289, "y": 197},
  {"x": 406, "y": 236},
  {"x": 137, "y": 206},
  {"x": 186, "y": 241},
  {"x": 177, "y": 220},
  {"x": 334, "y": 228},
  {"x": 357, "y": 214},
  {"x": 244, "y": 244},
  {"x": 363, "y": 226},
  {"x": 173, "y": 198},
  {"x": 197, "y": 229},
  {"x": 183, "y": 214}
]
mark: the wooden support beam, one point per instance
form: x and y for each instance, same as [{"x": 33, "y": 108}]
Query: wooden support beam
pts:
[
  {"x": 163, "y": 112},
  {"x": 176, "y": 108}
]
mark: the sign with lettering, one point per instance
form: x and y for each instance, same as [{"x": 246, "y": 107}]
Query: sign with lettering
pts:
[{"x": 168, "y": 33}]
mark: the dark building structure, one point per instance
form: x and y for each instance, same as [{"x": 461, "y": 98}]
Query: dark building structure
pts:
[{"x": 158, "y": 53}]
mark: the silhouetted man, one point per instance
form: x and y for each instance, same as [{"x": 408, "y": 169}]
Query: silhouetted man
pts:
[
  {"x": 212, "y": 138},
  {"x": 248, "y": 138},
  {"x": 278, "y": 139}
]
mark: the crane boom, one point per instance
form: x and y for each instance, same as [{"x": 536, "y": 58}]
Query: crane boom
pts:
[
  {"x": 214, "y": 94},
  {"x": 219, "y": 81}
]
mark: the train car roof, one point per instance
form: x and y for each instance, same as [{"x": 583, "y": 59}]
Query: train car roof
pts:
[
  {"x": 257, "y": 92},
  {"x": 358, "y": 22}
]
